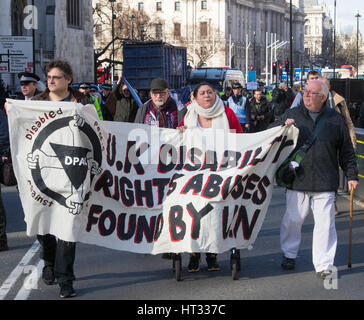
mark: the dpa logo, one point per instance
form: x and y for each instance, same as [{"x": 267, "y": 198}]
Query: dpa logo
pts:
[{"x": 74, "y": 165}]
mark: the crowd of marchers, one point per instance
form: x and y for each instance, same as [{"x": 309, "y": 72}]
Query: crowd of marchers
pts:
[{"x": 236, "y": 110}]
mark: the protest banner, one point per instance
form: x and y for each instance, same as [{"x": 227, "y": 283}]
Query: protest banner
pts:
[{"x": 141, "y": 188}]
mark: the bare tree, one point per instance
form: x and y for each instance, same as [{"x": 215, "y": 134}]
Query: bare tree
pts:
[
  {"x": 208, "y": 43},
  {"x": 129, "y": 24}
]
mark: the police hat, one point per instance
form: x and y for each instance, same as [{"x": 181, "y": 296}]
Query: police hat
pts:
[
  {"x": 237, "y": 85},
  {"x": 106, "y": 86},
  {"x": 84, "y": 86},
  {"x": 26, "y": 77}
]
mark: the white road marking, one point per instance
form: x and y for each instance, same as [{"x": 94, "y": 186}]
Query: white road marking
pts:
[
  {"x": 18, "y": 271},
  {"x": 24, "y": 292}
]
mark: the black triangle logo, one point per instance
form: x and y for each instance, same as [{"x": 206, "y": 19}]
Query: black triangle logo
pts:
[{"x": 74, "y": 162}]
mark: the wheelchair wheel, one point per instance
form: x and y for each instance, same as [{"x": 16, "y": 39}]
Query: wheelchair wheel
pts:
[
  {"x": 177, "y": 265},
  {"x": 235, "y": 263},
  {"x": 234, "y": 269}
]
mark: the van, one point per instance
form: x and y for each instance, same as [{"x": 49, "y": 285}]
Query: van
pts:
[{"x": 220, "y": 78}]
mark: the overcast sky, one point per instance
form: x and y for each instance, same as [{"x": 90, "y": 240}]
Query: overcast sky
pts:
[{"x": 345, "y": 14}]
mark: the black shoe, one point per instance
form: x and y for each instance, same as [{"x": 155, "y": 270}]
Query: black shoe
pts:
[
  {"x": 48, "y": 275},
  {"x": 288, "y": 264},
  {"x": 67, "y": 290},
  {"x": 4, "y": 246},
  {"x": 212, "y": 262},
  {"x": 194, "y": 264}
]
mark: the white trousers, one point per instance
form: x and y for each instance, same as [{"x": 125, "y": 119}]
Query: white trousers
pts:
[{"x": 324, "y": 242}]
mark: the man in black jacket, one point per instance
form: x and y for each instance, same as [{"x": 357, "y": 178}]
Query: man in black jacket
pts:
[
  {"x": 282, "y": 98},
  {"x": 317, "y": 179},
  {"x": 260, "y": 112}
]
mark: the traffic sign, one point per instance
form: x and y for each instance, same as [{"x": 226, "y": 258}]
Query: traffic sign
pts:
[
  {"x": 252, "y": 75},
  {"x": 16, "y": 54}
]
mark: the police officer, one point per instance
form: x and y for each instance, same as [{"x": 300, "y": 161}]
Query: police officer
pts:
[
  {"x": 265, "y": 91},
  {"x": 240, "y": 105},
  {"x": 28, "y": 85},
  {"x": 85, "y": 89}
]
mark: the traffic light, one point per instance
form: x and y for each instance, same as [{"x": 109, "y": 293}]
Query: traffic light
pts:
[
  {"x": 274, "y": 67},
  {"x": 251, "y": 68},
  {"x": 286, "y": 65},
  {"x": 280, "y": 70}
]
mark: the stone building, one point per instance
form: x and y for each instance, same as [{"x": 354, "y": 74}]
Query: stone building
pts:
[
  {"x": 61, "y": 29},
  {"x": 318, "y": 39},
  {"x": 217, "y": 32}
]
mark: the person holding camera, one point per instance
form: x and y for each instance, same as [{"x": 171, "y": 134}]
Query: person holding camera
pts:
[
  {"x": 282, "y": 97},
  {"x": 317, "y": 178}
]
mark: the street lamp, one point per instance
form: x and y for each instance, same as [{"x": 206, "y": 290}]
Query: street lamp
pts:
[
  {"x": 334, "y": 38},
  {"x": 357, "y": 44},
  {"x": 112, "y": 38},
  {"x": 290, "y": 43},
  {"x": 254, "y": 43},
  {"x": 132, "y": 26}
]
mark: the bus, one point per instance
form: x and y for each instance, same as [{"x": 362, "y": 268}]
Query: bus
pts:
[{"x": 352, "y": 70}]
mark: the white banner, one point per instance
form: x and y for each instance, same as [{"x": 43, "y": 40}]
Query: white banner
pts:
[{"x": 140, "y": 188}]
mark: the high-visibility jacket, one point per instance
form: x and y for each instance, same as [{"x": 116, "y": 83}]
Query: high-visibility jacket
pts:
[
  {"x": 97, "y": 106},
  {"x": 268, "y": 95},
  {"x": 239, "y": 108}
]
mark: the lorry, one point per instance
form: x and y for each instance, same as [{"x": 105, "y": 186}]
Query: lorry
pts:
[
  {"x": 144, "y": 61},
  {"x": 219, "y": 77}
]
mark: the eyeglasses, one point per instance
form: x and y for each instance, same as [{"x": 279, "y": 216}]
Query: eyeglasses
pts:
[
  {"x": 50, "y": 78},
  {"x": 307, "y": 92}
]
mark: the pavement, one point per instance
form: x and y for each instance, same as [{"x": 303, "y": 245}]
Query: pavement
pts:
[{"x": 105, "y": 274}]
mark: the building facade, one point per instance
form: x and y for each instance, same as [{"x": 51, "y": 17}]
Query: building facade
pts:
[
  {"x": 61, "y": 29},
  {"x": 218, "y": 32},
  {"x": 318, "y": 40}
]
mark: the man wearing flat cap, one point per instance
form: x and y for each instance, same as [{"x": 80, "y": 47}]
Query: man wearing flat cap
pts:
[
  {"x": 28, "y": 85},
  {"x": 161, "y": 110}
]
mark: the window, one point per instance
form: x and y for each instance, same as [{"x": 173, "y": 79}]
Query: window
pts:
[
  {"x": 177, "y": 30},
  {"x": 177, "y": 6},
  {"x": 203, "y": 4},
  {"x": 158, "y": 31},
  {"x": 74, "y": 13},
  {"x": 203, "y": 29},
  {"x": 307, "y": 30},
  {"x": 159, "y": 6},
  {"x": 140, "y": 6}
]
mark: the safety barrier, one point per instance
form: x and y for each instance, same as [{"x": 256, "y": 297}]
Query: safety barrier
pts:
[{"x": 359, "y": 192}]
